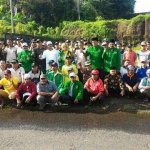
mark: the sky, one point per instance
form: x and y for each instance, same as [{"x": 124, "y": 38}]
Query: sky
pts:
[{"x": 142, "y": 6}]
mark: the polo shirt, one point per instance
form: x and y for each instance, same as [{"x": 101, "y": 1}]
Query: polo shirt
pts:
[
  {"x": 131, "y": 81},
  {"x": 10, "y": 53},
  {"x": 7, "y": 85},
  {"x": 50, "y": 87},
  {"x": 95, "y": 86},
  {"x": 141, "y": 72}
]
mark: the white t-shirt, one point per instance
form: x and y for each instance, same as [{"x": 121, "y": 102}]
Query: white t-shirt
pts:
[
  {"x": 50, "y": 55},
  {"x": 123, "y": 71},
  {"x": 10, "y": 53},
  {"x": 19, "y": 73},
  {"x": 80, "y": 57},
  {"x": 19, "y": 49}
]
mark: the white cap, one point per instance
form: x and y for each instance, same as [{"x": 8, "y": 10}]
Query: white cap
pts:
[
  {"x": 143, "y": 43},
  {"x": 49, "y": 43},
  {"x": 130, "y": 67},
  {"x": 104, "y": 43},
  {"x": 27, "y": 76},
  {"x": 72, "y": 74},
  {"x": 24, "y": 44},
  {"x": 148, "y": 70}
]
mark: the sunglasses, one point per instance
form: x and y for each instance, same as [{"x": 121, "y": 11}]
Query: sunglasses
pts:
[
  {"x": 72, "y": 77},
  {"x": 43, "y": 78}
]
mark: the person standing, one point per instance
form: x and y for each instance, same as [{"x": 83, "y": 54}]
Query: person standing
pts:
[
  {"x": 95, "y": 52},
  {"x": 25, "y": 58}
]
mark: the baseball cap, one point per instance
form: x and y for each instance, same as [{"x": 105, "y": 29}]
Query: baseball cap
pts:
[
  {"x": 43, "y": 76},
  {"x": 14, "y": 61},
  {"x": 54, "y": 64},
  {"x": 72, "y": 74},
  {"x": 70, "y": 69},
  {"x": 143, "y": 43},
  {"x": 87, "y": 63},
  {"x": 129, "y": 45},
  {"x": 68, "y": 56},
  {"x": 34, "y": 64},
  {"x": 130, "y": 67},
  {"x": 27, "y": 76},
  {"x": 49, "y": 43},
  {"x": 24, "y": 44},
  {"x": 104, "y": 43},
  {"x": 95, "y": 72},
  {"x": 7, "y": 72},
  {"x": 95, "y": 39},
  {"x": 51, "y": 61},
  {"x": 67, "y": 41}
]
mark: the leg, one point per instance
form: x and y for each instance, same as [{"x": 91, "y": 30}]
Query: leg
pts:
[
  {"x": 42, "y": 102},
  {"x": 3, "y": 95},
  {"x": 80, "y": 75},
  {"x": 66, "y": 99}
]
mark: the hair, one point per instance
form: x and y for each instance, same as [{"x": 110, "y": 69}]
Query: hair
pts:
[{"x": 64, "y": 44}]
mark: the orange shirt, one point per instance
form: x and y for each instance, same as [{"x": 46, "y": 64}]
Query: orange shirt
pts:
[
  {"x": 131, "y": 56},
  {"x": 95, "y": 86}
]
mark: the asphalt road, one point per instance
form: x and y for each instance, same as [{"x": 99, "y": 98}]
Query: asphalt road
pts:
[{"x": 52, "y": 130}]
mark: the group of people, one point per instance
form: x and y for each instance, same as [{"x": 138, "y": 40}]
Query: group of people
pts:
[{"x": 83, "y": 74}]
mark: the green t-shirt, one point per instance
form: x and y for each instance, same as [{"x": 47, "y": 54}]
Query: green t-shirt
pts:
[{"x": 95, "y": 53}]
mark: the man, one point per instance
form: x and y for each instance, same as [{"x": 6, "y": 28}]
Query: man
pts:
[
  {"x": 10, "y": 50},
  {"x": 55, "y": 76},
  {"x": 130, "y": 55},
  {"x": 113, "y": 83},
  {"x": 144, "y": 86},
  {"x": 17, "y": 71},
  {"x": 143, "y": 54},
  {"x": 19, "y": 45},
  {"x": 112, "y": 57},
  {"x": 33, "y": 45},
  {"x": 72, "y": 93},
  {"x": 35, "y": 73},
  {"x": 95, "y": 52},
  {"x": 124, "y": 67},
  {"x": 86, "y": 71},
  {"x": 26, "y": 92},
  {"x": 141, "y": 72},
  {"x": 3, "y": 68},
  {"x": 93, "y": 89},
  {"x": 131, "y": 82},
  {"x": 49, "y": 54},
  {"x": 9, "y": 84},
  {"x": 25, "y": 58},
  {"x": 47, "y": 92},
  {"x": 39, "y": 51}
]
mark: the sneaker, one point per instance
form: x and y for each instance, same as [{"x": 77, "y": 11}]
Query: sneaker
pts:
[{"x": 18, "y": 105}]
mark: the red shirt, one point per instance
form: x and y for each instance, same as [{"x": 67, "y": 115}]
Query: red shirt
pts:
[
  {"x": 23, "y": 88},
  {"x": 95, "y": 86}
]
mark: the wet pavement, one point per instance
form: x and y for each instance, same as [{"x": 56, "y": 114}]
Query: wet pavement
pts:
[{"x": 74, "y": 129}]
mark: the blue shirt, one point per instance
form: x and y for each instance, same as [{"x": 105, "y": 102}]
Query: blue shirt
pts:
[
  {"x": 50, "y": 87},
  {"x": 141, "y": 72}
]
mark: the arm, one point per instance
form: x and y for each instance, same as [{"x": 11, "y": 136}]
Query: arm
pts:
[
  {"x": 80, "y": 91},
  {"x": 33, "y": 91}
]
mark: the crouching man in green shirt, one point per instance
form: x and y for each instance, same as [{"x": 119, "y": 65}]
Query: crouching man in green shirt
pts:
[{"x": 72, "y": 93}]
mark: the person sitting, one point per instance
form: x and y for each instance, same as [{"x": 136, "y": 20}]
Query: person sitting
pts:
[
  {"x": 50, "y": 66},
  {"x": 17, "y": 71},
  {"x": 141, "y": 72},
  {"x": 55, "y": 76},
  {"x": 47, "y": 92},
  {"x": 113, "y": 83},
  {"x": 9, "y": 84},
  {"x": 72, "y": 93},
  {"x": 131, "y": 81},
  {"x": 26, "y": 92},
  {"x": 35, "y": 73},
  {"x": 123, "y": 69},
  {"x": 93, "y": 89},
  {"x": 144, "y": 86}
]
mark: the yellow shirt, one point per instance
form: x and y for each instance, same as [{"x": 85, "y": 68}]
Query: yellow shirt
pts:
[
  {"x": 7, "y": 85},
  {"x": 64, "y": 69}
]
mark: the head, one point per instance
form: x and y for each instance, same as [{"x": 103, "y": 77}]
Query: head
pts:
[
  {"x": 33, "y": 43},
  {"x": 43, "y": 79},
  {"x": 7, "y": 74},
  {"x": 112, "y": 43},
  {"x": 50, "y": 64},
  {"x": 70, "y": 69},
  {"x": 88, "y": 65},
  {"x": 35, "y": 67},
  {"x": 64, "y": 47},
  {"x": 123, "y": 46},
  {"x": 39, "y": 43},
  {"x": 143, "y": 45},
  {"x": 81, "y": 45},
  {"x": 148, "y": 45},
  {"x": 27, "y": 78},
  {"x": 9, "y": 42},
  {"x": 129, "y": 47},
  {"x": 119, "y": 46},
  {"x": 57, "y": 46},
  {"x": 68, "y": 42},
  {"x": 131, "y": 70},
  {"x": 143, "y": 64},
  {"x": 49, "y": 45},
  {"x": 72, "y": 76},
  {"x": 54, "y": 66},
  {"x": 95, "y": 74},
  {"x": 68, "y": 60},
  {"x": 25, "y": 46},
  {"x": 105, "y": 44},
  {"x": 15, "y": 63},
  {"x": 148, "y": 73},
  {"x": 95, "y": 41},
  {"x": 113, "y": 71},
  {"x": 18, "y": 41},
  {"x": 3, "y": 64}
]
